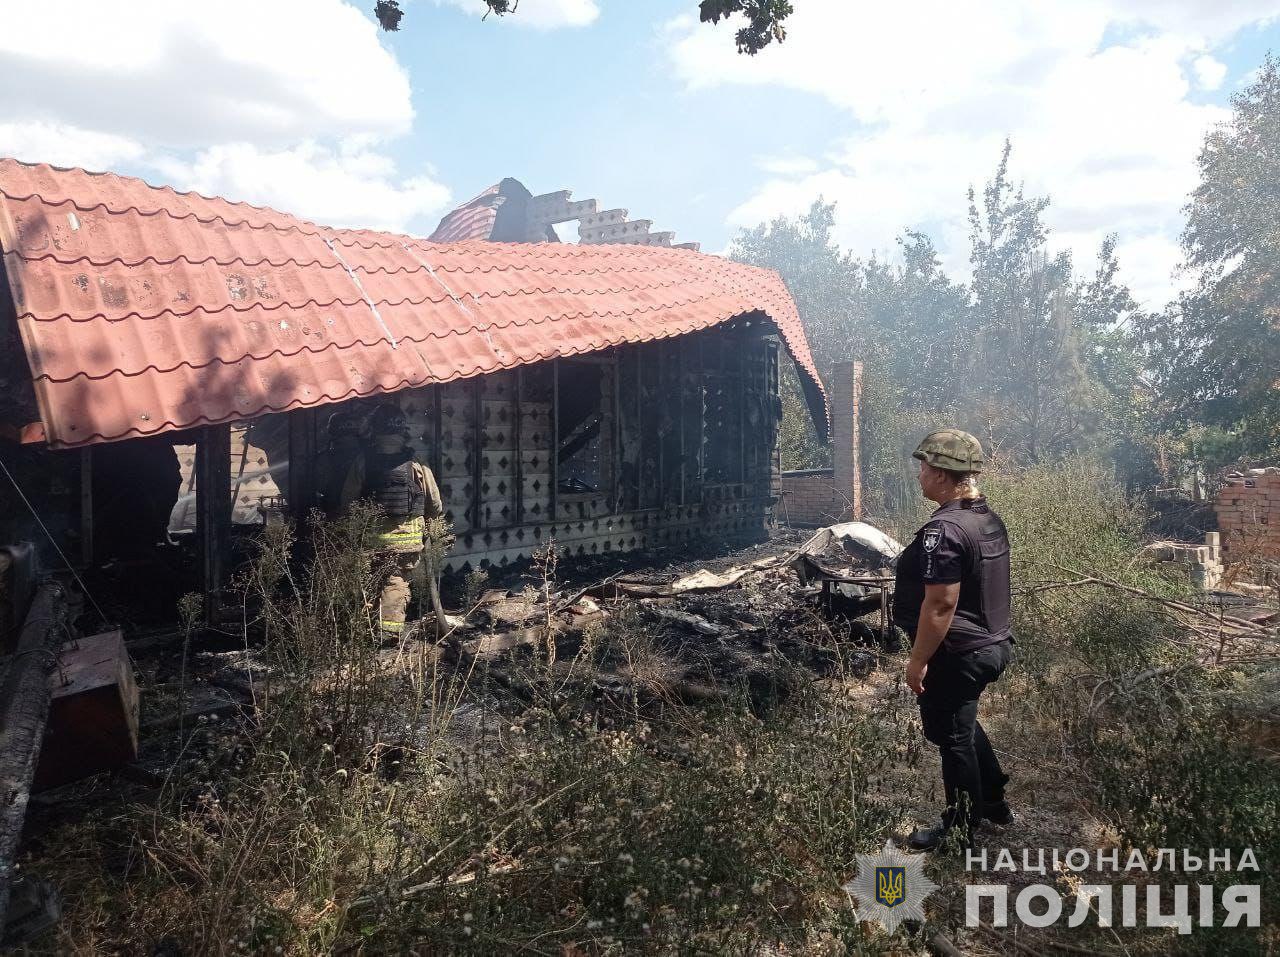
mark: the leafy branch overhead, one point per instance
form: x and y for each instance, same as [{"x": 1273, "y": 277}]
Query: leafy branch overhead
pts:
[
  {"x": 764, "y": 17},
  {"x": 764, "y": 20}
]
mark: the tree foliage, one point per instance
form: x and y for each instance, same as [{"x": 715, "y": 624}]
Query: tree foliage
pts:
[
  {"x": 1025, "y": 383},
  {"x": 764, "y": 18},
  {"x": 1219, "y": 344},
  {"x": 1038, "y": 362}
]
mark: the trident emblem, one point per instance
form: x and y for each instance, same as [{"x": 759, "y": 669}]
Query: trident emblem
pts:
[{"x": 891, "y": 885}]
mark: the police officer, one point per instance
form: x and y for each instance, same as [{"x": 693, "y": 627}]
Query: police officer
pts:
[
  {"x": 406, "y": 491},
  {"x": 952, "y": 596},
  {"x": 340, "y": 467}
]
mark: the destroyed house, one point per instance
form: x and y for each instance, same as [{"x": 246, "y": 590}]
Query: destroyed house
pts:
[{"x": 163, "y": 345}]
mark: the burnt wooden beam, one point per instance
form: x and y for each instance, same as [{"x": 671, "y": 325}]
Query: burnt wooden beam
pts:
[
  {"x": 519, "y": 443},
  {"x": 213, "y": 509},
  {"x": 555, "y": 440},
  {"x": 615, "y": 458},
  {"x": 303, "y": 442},
  {"x": 743, "y": 372},
  {"x": 477, "y": 452},
  {"x": 25, "y": 696},
  {"x": 682, "y": 349},
  {"x": 86, "y": 511}
]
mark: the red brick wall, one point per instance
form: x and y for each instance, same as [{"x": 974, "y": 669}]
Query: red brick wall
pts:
[
  {"x": 826, "y": 496},
  {"x": 1248, "y": 509},
  {"x": 809, "y": 497}
]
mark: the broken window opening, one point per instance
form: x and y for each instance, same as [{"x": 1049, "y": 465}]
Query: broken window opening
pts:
[{"x": 585, "y": 427}]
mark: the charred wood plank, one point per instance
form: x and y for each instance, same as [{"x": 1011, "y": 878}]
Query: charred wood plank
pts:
[{"x": 26, "y": 695}]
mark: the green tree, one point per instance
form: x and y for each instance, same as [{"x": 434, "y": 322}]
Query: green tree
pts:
[
  {"x": 902, "y": 320},
  {"x": 1028, "y": 390},
  {"x": 1218, "y": 346},
  {"x": 1129, "y": 424},
  {"x": 823, "y": 281}
]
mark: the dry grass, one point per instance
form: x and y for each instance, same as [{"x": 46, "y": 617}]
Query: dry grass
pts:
[{"x": 390, "y": 805}]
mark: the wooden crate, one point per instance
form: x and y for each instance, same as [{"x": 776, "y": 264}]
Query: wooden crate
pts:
[{"x": 93, "y": 717}]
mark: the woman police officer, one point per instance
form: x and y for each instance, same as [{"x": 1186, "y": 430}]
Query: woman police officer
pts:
[{"x": 952, "y": 596}]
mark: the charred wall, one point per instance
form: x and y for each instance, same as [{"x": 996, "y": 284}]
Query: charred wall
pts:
[{"x": 660, "y": 443}]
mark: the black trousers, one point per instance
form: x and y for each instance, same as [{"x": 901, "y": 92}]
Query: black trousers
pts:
[{"x": 953, "y": 683}]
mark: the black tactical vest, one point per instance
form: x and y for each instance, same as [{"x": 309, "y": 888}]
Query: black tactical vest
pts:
[
  {"x": 982, "y": 613},
  {"x": 390, "y": 483},
  {"x": 332, "y": 468}
]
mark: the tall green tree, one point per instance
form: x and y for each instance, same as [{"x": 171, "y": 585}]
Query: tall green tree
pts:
[
  {"x": 1027, "y": 388},
  {"x": 901, "y": 319},
  {"x": 1129, "y": 420},
  {"x": 1218, "y": 346}
]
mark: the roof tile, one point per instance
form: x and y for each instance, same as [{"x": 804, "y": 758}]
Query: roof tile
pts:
[{"x": 144, "y": 310}]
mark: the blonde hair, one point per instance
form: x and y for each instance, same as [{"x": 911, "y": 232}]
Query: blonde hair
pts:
[{"x": 967, "y": 479}]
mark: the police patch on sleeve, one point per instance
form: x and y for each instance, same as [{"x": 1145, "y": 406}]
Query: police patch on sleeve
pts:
[{"x": 932, "y": 536}]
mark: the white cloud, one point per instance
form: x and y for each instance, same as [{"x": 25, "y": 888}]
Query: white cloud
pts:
[
  {"x": 186, "y": 73},
  {"x": 789, "y": 165},
  {"x": 288, "y": 103},
  {"x": 348, "y": 186},
  {"x": 64, "y": 145},
  {"x": 1095, "y": 96},
  {"x": 1209, "y": 72},
  {"x": 539, "y": 14}
]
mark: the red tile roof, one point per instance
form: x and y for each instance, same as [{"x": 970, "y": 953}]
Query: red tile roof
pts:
[{"x": 145, "y": 310}]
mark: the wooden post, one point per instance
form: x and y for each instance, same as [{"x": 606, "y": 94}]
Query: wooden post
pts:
[
  {"x": 213, "y": 509},
  {"x": 615, "y": 456},
  {"x": 519, "y": 443},
  {"x": 303, "y": 442},
  {"x": 477, "y": 456},
  {"x": 25, "y": 696},
  {"x": 86, "y": 514},
  {"x": 555, "y": 440},
  {"x": 682, "y": 349}
]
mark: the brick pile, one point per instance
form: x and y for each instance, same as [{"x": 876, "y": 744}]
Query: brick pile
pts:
[{"x": 1248, "y": 510}]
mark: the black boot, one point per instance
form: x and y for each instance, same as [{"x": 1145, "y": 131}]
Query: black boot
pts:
[
  {"x": 998, "y": 813},
  {"x": 931, "y": 838}
]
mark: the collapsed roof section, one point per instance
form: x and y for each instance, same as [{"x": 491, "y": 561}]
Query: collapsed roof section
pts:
[
  {"x": 143, "y": 310},
  {"x": 508, "y": 213}
]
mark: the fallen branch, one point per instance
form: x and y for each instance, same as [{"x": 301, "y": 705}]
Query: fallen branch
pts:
[{"x": 1238, "y": 626}]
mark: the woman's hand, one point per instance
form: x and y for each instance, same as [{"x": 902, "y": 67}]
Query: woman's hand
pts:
[{"x": 916, "y": 671}]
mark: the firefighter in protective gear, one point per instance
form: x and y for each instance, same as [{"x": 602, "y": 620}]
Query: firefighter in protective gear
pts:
[
  {"x": 340, "y": 467},
  {"x": 952, "y": 596},
  {"x": 406, "y": 492}
]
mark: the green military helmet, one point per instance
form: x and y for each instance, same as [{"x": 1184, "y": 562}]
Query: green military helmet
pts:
[{"x": 952, "y": 450}]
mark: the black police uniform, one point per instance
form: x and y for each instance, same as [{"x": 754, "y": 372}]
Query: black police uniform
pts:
[{"x": 964, "y": 541}]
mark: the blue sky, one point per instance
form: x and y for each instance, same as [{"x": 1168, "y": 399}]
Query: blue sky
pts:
[{"x": 891, "y": 111}]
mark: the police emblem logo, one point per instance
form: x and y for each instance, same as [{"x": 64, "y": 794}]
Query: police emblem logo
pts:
[
  {"x": 891, "y": 885},
  {"x": 932, "y": 536}
]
